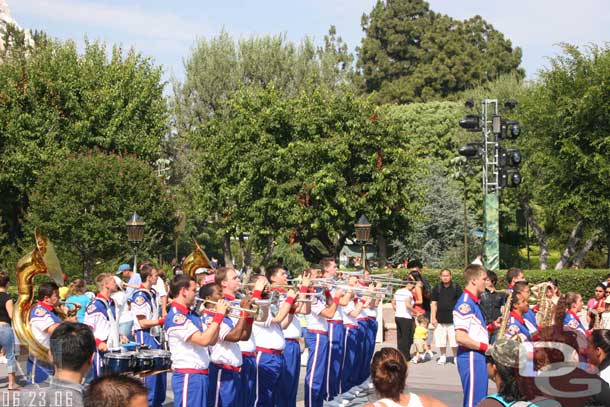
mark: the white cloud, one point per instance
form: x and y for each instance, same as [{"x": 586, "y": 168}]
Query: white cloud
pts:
[{"x": 132, "y": 20}]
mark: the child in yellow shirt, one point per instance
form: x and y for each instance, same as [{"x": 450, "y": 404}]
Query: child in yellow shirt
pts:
[{"x": 419, "y": 339}]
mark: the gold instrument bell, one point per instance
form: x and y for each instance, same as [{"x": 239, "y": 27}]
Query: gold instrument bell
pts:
[
  {"x": 41, "y": 260},
  {"x": 195, "y": 260}
]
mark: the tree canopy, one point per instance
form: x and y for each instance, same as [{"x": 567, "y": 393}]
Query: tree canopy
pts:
[{"x": 412, "y": 54}]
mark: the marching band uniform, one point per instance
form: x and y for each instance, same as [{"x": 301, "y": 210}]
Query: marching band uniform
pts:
[
  {"x": 352, "y": 341},
  {"x": 289, "y": 379},
  {"x": 468, "y": 317},
  {"x": 316, "y": 338},
  {"x": 225, "y": 367},
  {"x": 248, "y": 372},
  {"x": 336, "y": 338},
  {"x": 572, "y": 323},
  {"x": 144, "y": 303},
  {"x": 529, "y": 319},
  {"x": 42, "y": 316},
  {"x": 190, "y": 362},
  {"x": 101, "y": 318},
  {"x": 371, "y": 337},
  {"x": 517, "y": 327},
  {"x": 269, "y": 360}
]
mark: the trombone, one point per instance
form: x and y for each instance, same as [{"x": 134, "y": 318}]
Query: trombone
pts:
[{"x": 234, "y": 310}]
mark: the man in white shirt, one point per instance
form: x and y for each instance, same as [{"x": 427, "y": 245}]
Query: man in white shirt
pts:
[{"x": 402, "y": 303}]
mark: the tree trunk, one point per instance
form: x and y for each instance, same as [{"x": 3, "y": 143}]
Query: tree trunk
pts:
[
  {"x": 226, "y": 250},
  {"x": 269, "y": 251},
  {"x": 540, "y": 235},
  {"x": 580, "y": 256},
  {"x": 246, "y": 253},
  {"x": 570, "y": 245},
  {"x": 382, "y": 246}
]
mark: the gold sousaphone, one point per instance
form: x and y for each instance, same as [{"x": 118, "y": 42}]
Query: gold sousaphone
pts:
[
  {"x": 41, "y": 260},
  {"x": 195, "y": 260}
]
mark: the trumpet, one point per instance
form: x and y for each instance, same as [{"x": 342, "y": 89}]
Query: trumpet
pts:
[{"x": 234, "y": 310}]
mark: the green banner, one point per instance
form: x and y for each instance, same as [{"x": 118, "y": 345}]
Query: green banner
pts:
[{"x": 492, "y": 231}]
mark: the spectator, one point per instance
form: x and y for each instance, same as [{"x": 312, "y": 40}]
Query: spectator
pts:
[
  {"x": 492, "y": 301},
  {"x": 606, "y": 281},
  {"x": 7, "y": 337},
  {"x": 116, "y": 391},
  {"x": 123, "y": 313},
  {"x": 597, "y": 304},
  {"x": 416, "y": 267},
  {"x": 133, "y": 279},
  {"x": 161, "y": 290},
  {"x": 598, "y": 352},
  {"x": 478, "y": 260},
  {"x": 76, "y": 294},
  {"x": 443, "y": 299},
  {"x": 72, "y": 347},
  {"x": 419, "y": 339},
  {"x": 402, "y": 303},
  {"x": 389, "y": 375}
]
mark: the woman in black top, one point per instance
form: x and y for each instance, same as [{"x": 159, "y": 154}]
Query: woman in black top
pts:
[{"x": 7, "y": 337}]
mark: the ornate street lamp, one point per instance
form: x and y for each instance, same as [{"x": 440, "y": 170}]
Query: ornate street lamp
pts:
[
  {"x": 363, "y": 234},
  {"x": 135, "y": 235}
]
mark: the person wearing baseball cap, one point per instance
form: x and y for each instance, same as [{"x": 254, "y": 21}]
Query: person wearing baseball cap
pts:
[{"x": 133, "y": 279}]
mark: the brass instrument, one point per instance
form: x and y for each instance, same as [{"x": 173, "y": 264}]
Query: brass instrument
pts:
[
  {"x": 195, "y": 260},
  {"x": 69, "y": 312},
  {"x": 41, "y": 260},
  {"x": 597, "y": 324},
  {"x": 546, "y": 308},
  {"x": 234, "y": 311},
  {"x": 505, "y": 316}
]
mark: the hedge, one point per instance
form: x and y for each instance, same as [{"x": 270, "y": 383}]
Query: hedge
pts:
[{"x": 582, "y": 281}]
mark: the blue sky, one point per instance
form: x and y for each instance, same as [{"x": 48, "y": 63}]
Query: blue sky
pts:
[{"x": 166, "y": 30}]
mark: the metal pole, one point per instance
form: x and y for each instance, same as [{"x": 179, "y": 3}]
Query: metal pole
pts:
[
  {"x": 135, "y": 263},
  {"x": 491, "y": 187},
  {"x": 465, "y": 224},
  {"x": 363, "y": 255}
]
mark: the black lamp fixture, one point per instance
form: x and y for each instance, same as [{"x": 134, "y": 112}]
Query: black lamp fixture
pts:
[
  {"x": 135, "y": 235},
  {"x": 363, "y": 234}
]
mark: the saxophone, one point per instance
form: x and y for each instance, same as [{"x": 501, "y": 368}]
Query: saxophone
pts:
[
  {"x": 546, "y": 308},
  {"x": 195, "y": 260},
  {"x": 41, "y": 260},
  {"x": 505, "y": 316}
]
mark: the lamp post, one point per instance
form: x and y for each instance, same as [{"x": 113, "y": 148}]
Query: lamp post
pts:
[
  {"x": 135, "y": 235},
  {"x": 363, "y": 233}
]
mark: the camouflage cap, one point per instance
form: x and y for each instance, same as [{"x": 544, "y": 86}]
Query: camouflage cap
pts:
[{"x": 505, "y": 352}]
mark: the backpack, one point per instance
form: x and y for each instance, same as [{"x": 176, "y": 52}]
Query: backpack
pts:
[{"x": 539, "y": 403}]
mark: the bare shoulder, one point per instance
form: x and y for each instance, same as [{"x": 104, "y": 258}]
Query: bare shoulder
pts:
[{"x": 428, "y": 401}]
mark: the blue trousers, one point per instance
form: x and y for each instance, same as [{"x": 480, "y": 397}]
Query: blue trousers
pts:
[
  {"x": 315, "y": 376},
  {"x": 190, "y": 390},
  {"x": 157, "y": 384},
  {"x": 289, "y": 380},
  {"x": 38, "y": 371},
  {"x": 269, "y": 367},
  {"x": 247, "y": 395},
  {"x": 336, "y": 334},
  {"x": 351, "y": 358},
  {"x": 224, "y": 387},
  {"x": 473, "y": 374},
  {"x": 370, "y": 334}
]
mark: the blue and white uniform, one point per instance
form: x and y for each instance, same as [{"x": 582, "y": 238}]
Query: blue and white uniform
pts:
[
  {"x": 353, "y": 339},
  {"x": 336, "y": 339},
  {"x": 529, "y": 319},
  {"x": 289, "y": 379},
  {"x": 516, "y": 328},
  {"x": 247, "y": 394},
  {"x": 42, "y": 317},
  {"x": 144, "y": 304},
  {"x": 572, "y": 323},
  {"x": 270, "y": 345},
  {"x": 468, "y": 317},
  {"x": 316, "y": 339},
  {"x": 190, "y": 362},
  {"x": 371, "y": 336},
  {"x": 101, "y": 318},
  {"x": 225, "y": 367}
]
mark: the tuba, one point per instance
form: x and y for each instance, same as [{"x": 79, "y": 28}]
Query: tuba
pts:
[
  {"x": 41, "y": 260},
  {"x": 195, "y": 260}
]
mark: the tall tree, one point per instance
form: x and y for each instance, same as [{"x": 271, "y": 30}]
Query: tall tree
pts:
[
  {"x": 410, "y": 53},
  {"x": 56, "y": 101},
  {"x": 82, "y": 204}
]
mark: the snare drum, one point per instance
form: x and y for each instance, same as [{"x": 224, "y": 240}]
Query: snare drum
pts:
[
  {"x": 161, "y": 359},
  {"x": 144, "y": 362},
  {"x": 118, "y": 362}
]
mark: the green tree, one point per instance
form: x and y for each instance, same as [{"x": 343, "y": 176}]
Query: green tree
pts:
[
  {"x": 412, "y": 54},
  {"x": 56, "y": 101},
  {"x": 83, "y": 202}
]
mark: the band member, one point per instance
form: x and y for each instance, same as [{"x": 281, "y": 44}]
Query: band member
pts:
[
  {"x": 225, "y": 355},
  {"x": 516, "y": 325},
  {"x": 270, "y": 344},
  {"x": 101, "y": 318},
  {"x": 522, "y": 290},
  {"x": 289, "y": 378},
  {"x": 336, "y": 334},
  {"x": 368, "y": 320},
  {"x": 354, "y": 337},
  {"x": 230, "y": 283},
  {"x": 145, "y": 309},
  {"x": 472, "y": 337},
  {"x": 571, "y": 303},
  {"x": 316, "y": 338},
  {"x": 188, "y": 340},
  {"x": 43, "y": 321}
]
